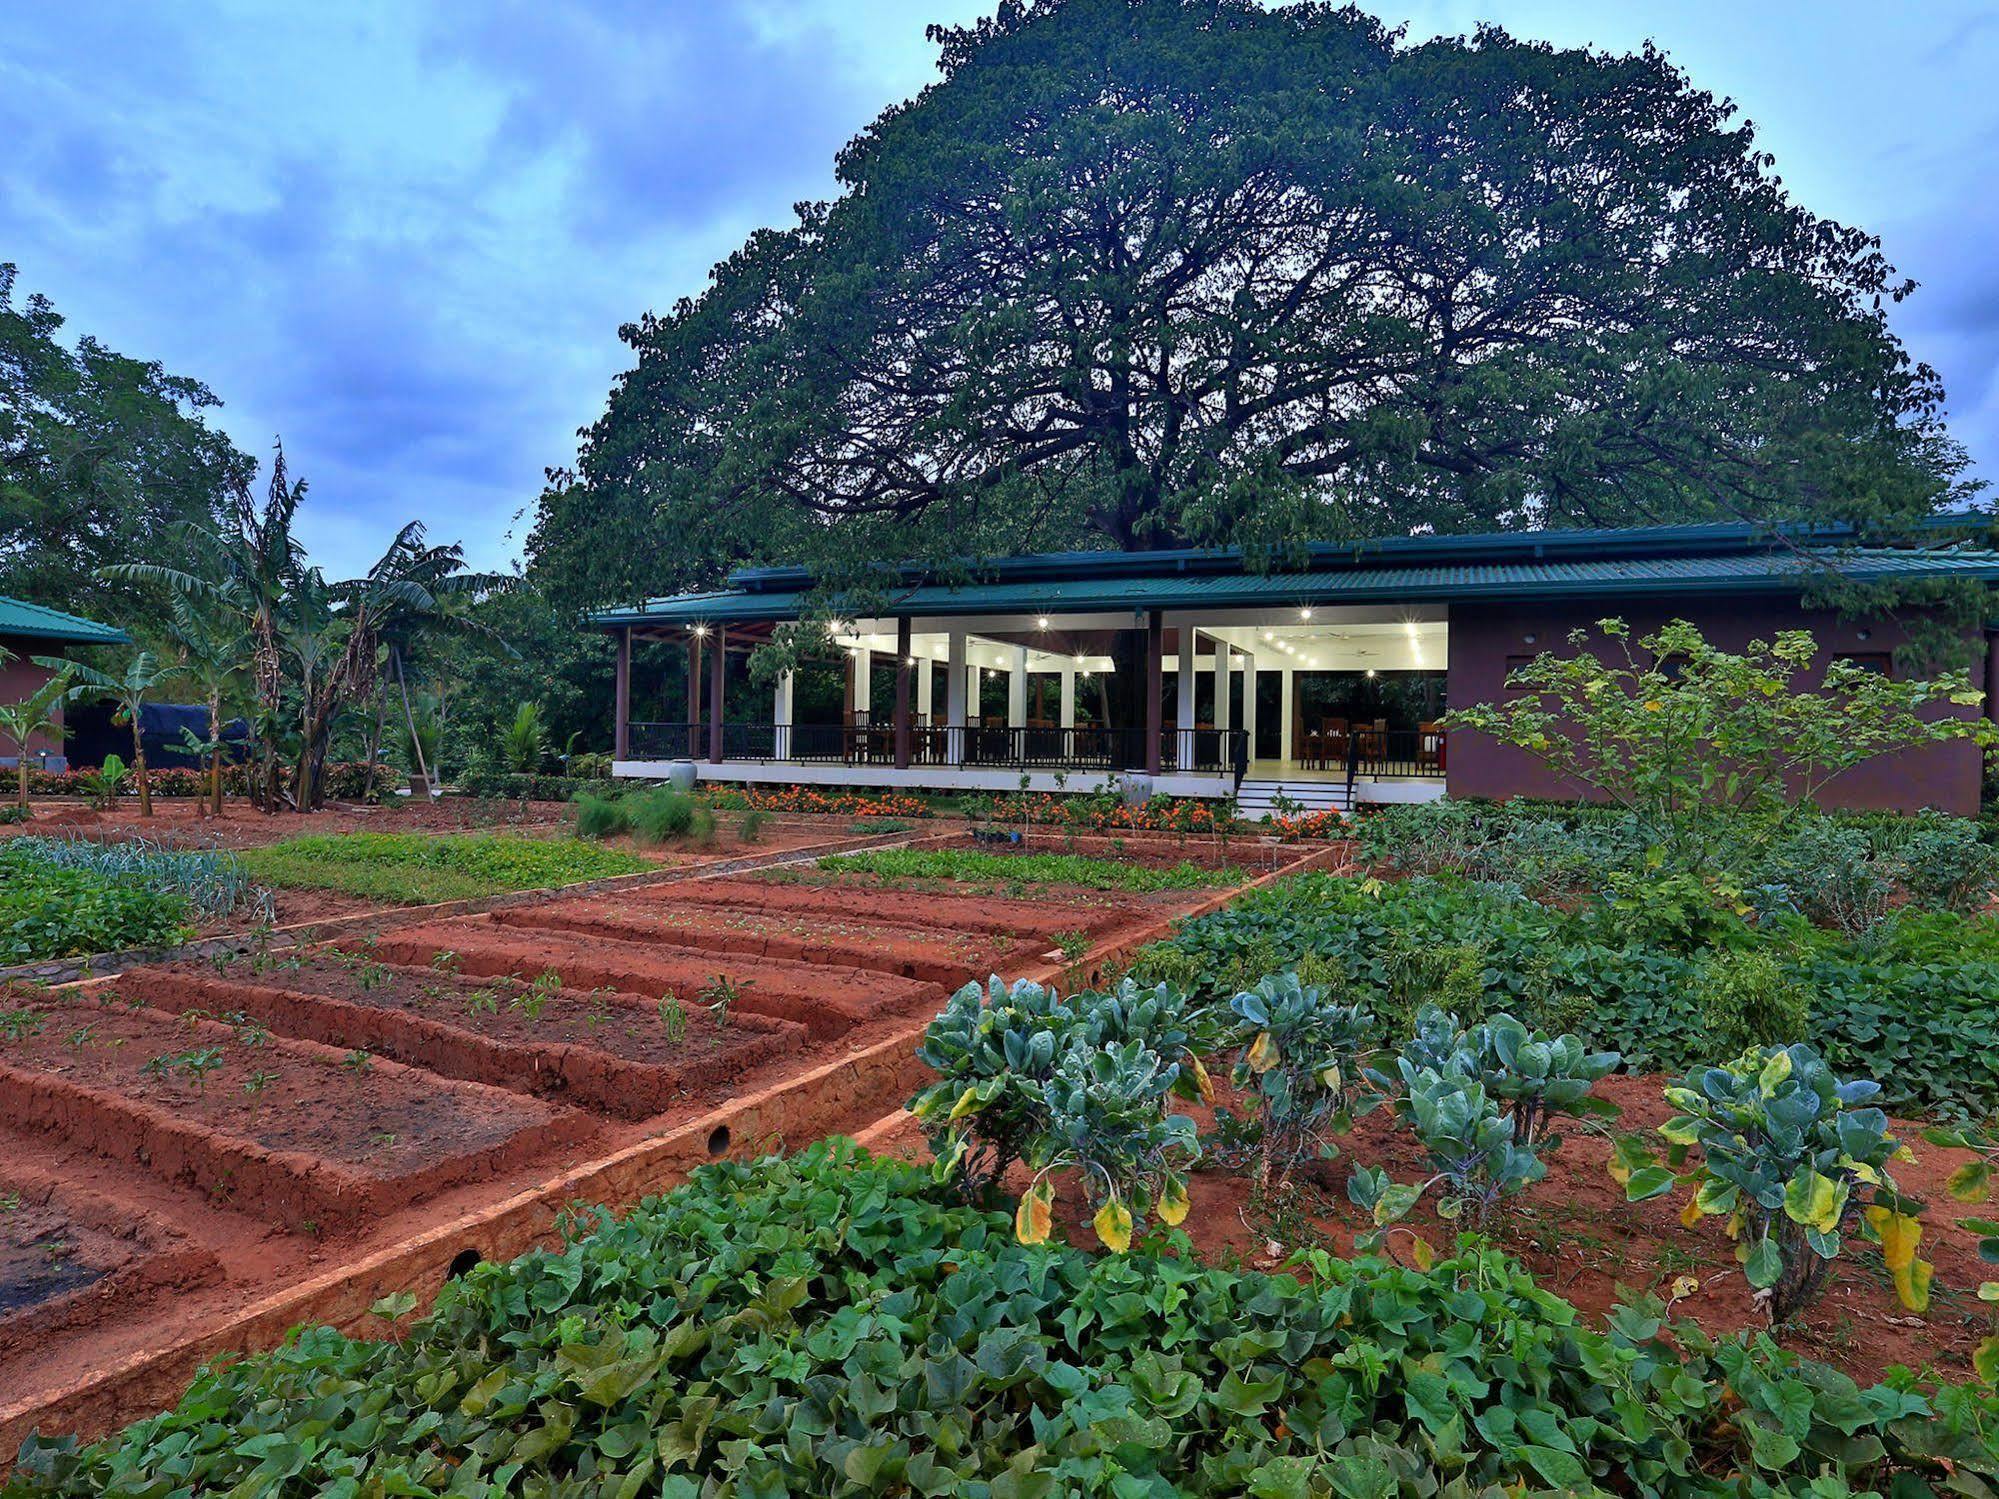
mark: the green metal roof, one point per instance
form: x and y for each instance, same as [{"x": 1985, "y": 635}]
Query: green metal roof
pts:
[
  {"x": 1405, "y": 577},
  {"x": 34, "y": 622}
]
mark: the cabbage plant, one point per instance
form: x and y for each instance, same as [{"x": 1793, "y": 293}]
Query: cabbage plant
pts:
[
  {"x": 1797, "y": 1160},
  {"x": 1301, "y": 1063}
]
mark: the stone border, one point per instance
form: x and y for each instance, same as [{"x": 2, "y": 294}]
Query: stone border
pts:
[{"x": 848, "y": 1093}]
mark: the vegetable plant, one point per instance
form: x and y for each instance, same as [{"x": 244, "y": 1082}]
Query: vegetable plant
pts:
[
  {"x": 1797, "y": 1159},
  {"x": 1301, "y": 1063}
]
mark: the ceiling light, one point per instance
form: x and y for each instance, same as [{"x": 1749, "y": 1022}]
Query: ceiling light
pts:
[
  {"x": 1268, "y": 636},
  {"x": 1304, "y": 613},
  {"x": 700, "y": 629},
  {"x": 1370, "y": 671},
  {"x": 1041, "y": 623}
]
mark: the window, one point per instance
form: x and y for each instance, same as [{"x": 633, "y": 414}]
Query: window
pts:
[
  {"x": 1517, "y": 664},
  {"x": 1881, "y": 663}
]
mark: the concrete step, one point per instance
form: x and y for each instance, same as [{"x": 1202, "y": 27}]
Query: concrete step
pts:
[{"x": 1258, "y": 797}]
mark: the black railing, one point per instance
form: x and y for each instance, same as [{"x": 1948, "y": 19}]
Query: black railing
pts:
[
  {"x": 1415, "y": 754},
  {"x": 1185, "y": 751}
]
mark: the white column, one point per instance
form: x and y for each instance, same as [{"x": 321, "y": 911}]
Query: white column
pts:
[
  {"x": 1183, "y": 717},
  {"x": 954, "y": 701},
  {"x": 1249, "y": 700},
  {"x": 1286, "y": 728},
  {"x": 780, "y": 716},
  {"x": 925, "y": 680},
  {"x": 1068, "y": 707},
  {"x": 1223, "y": 662},
  {"x": 1016, "y": 690},
  {"x": 864, "y": 680}
]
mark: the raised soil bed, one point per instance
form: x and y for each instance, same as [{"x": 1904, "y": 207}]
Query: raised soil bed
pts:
[
  {"x": 320, "y": 1139},
  {"x": 68, "y": 1256},
  {"x": 827, "y": 1001},
  {"x": 1043, "y": 917},
  {"x": 911, "y": 952},
  {"x": 608, "y": 1051}
]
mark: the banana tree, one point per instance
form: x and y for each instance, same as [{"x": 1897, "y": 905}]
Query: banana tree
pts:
[
  {"x": 144, "y": 675},
  {"x": 213, "y": 642},
  {"x": 39, "y": 713}
]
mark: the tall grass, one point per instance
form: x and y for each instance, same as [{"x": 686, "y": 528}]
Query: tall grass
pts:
[{"x": 658, "y": 815}]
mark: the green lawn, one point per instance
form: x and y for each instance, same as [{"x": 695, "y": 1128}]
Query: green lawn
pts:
[
  {"x": 1029, "y": 869},
  {"x": 421, "y": 869}
]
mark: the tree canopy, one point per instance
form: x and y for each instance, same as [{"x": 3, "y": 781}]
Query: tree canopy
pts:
[
  {"x": 101, "y": 457},
  {"x": 1150, "y": 272}
]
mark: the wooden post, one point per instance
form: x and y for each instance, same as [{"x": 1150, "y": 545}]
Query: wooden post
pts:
[
  {"x": 621, "y": 734},
  {"x": 1155, "y": 671},
  {"x": 718, "y": 666},
  {"x": 693, "y": 694},
  {"x": 903, "y": 671}
]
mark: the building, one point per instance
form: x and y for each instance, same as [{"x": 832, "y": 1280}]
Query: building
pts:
[
  {"x": 30, "y": 630},
  {"x": 1206, "y": 676}
]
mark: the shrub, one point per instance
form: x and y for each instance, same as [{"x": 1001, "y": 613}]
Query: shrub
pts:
[
  {"x": 13, "y": 812},
  {"x": 505, "y": 786},
  {"x": 1301, "y": 1063},
  {"x": 1945, "y": 864},
  {"x": 1830, "y": 874},
  {"x": 823, "y": 1324},
  {"x": 601, "y": 817},
  {"x": 588, "y": 766},
  {"x": 1475, "y": 1158},
  {"x": 524, "y": 741},
  {"x": 750, "y": 829},
  {"x": 662, "y": 814},
  {"x": 1795, "y": 1161},
  {"x": 1746, "y": 998}
]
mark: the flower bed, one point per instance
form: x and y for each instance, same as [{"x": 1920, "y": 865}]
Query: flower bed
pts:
[
  {"x": 824, "y": 803},
  {"x": 345, "y": 780}
]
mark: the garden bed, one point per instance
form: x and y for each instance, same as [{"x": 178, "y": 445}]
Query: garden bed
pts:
[
  {"x": 833, "y": 940},
  {"x": 1577, "y": 1235},
  {"x": 933, "y": 904},
  {"x": 828, "y": 1001},
  {"x": 288, "y": 1130},
  {"x": 613, "y": 1053},
  {"x": 182, "y": 821},
  {"x": 68, "y": 1256}
]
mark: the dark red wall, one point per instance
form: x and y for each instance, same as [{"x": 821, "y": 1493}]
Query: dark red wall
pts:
[
  {"x": 1484, "y": 635},
  {"x": 21, "y": 678}
]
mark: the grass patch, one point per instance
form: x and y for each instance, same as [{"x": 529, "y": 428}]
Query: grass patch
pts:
[
  {"x": 419, "y": 869},
  {"x": 1029, "y": 869}
]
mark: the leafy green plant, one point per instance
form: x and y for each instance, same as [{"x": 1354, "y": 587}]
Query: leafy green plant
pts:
[
  {"x": 39, "y": 715},
  {"x": 19, "y": 1025},
  {"x": 1747, "y": 998},
  {"x": 358, "y": 1063},
  {"x": 750, "y": 827},
  {"x": 720, "y": 994},
  {"x": 1796, "y": 1159},
  {"x": 421, "y": 868},
  {"x": 1476, "y": 1157},
  {"x": 999, "y": 1052},
  {"x": 194, "y": 1064},
  {"x": 103, "y": 784},
  {"x": 813, "y": 1317},
  {"x": 524, "y": 741},
  {"x": 1973, "y": 1183},
  {"x": 672, "y": 1018},
  {"x": 1301, "y": 1064}
]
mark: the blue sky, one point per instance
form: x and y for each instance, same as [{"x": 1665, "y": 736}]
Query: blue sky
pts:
[{"x": 404, "y": 234}]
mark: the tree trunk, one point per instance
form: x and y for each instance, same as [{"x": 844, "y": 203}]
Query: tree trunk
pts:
[
  {"x": 21, "y": 778},
  {"x": 139, "y": 767},
  {"x": 215, "y": 754},
  {"x": 409, "y": 720}
]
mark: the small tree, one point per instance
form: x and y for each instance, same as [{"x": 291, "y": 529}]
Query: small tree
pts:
[
  {"x": 1676, "y": 729},
  {"x": 39, "y": 713},
  {"x": 143, "y": 676}
]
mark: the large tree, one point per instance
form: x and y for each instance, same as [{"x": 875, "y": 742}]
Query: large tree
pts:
[
  {"x": 102, "y": 457},
  {"x": 1144, "y": 272}
]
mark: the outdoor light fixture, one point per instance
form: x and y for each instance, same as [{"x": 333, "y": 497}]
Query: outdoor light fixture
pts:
[
  {"x": 1304, "y": 613},
  {"x": 1041, "y": 623},
  {"x": 1268, "y": 636},
  {"x": 1370, "y": 671},
  {"x": 700, "y": 629}
]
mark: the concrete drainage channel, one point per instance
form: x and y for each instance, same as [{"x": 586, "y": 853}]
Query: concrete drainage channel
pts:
[{"x": 842, "y": 1074}]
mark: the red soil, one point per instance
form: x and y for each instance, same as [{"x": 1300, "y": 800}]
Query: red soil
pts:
[
  {"x": 826, "y": 1000},
  {"x": 1146, "y": 850},
  {"x": 180, "y": 820},
  {"x": 911, "y": 952},
  {"x": 1583, "y": 1241},
  {"x": 609, "y": 1052},
  {"x": 870, "y": 899},
  {"x": 319, "y": 1140},
  {"x": 68, "y": 1256}
]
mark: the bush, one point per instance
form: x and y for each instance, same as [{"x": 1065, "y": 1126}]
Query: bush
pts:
[
  {"x": 496, "y": 785},
  {"x": 824, "y": 1324},
  {"x": 1746, "y": 998},
  {"x": 750, "y": 828},
  {"x": 588, "y": 766},
  {"x": 1946, "y": 864},
  {"x": 601, "y": 816},
  {"x": 1795, "y": 1162},
  {"x": 1830, "y": 873}
]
